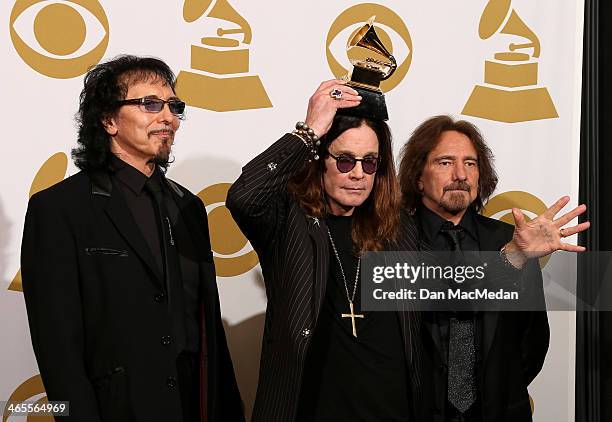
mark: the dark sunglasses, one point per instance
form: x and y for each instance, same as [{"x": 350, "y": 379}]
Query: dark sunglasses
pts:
[
  {"x": 346, "y": 163},
  {"x": 155, "y": 105}
]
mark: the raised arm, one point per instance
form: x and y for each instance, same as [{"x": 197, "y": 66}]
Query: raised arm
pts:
[
  {"x": 257, "y": 197},
  {"x": 256, "y": 200}
]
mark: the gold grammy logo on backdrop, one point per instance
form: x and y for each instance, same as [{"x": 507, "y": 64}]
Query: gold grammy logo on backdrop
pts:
[
  {"x": 219, "y": 79},
  {"x": 27, "y": 390},
  {"x": 51, "y": 172},
  {"x": 500, "y": 207},
  {"x": 226, "y": 239},
  {"x": 61, "y": 30},
  {"x": 384, "y": 16},
  {"x": 512, "y": 94}
]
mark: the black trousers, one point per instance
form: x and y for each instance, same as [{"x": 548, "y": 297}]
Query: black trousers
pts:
[{"x": 188, "y": 371}]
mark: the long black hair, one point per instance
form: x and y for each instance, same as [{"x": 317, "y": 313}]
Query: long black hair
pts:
[{"x": 105, "y": 84}]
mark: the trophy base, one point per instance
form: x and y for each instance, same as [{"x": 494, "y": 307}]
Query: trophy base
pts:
[
  {"x": 222, "y": 93},
  {"x": 510, "y": 106},
  {"x": 372, "y": 106}
]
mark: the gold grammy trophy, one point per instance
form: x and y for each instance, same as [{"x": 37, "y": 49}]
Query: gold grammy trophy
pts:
[
  {"x": 368, "y": 73},
  {"x": 512, "y": 94},
  {"x": 219, "y": 79}
]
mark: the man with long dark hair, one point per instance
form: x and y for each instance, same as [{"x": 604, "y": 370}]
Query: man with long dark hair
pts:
[
  {"x": 475, "y": 366},
  {"x": 117, "y": 268},
  {"x": 311, "y": 204}
]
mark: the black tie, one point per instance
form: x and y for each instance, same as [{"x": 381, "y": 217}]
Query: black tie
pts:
[
  {"x": 454, "y": 235},
  {"x": 172, "y": 271},
  {"x": 461, "y": 349}
]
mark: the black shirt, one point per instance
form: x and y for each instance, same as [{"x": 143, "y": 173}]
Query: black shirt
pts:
[
  {"x": 130, "y": 183},
  {"x": 431, "y": 223},
  {"x": 347, "y": 378}
]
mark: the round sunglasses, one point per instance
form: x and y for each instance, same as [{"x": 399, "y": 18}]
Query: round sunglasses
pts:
[{"x": 346, "y": 163}]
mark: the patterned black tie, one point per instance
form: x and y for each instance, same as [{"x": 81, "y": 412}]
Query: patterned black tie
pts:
[{"x": 461, "y": 349}]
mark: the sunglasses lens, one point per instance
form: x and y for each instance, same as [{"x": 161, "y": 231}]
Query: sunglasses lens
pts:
[
  {"x": 345, "y": 164},
  {"x": 153, "y": 106},
  {"x": 369, "y": 165},
  {"x": 176, "y": 107}
]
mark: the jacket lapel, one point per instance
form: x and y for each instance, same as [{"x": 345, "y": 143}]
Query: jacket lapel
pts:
[
  {"x": 191, "y": 215},
  {"x": 193, "y": 223},
  {"x": 118, "y": 212},
  {"x": 410, "y": 321},
  {"x": 489, "y": 239},
  {"x": 317, "y": 230},
  {"x": 428, "y": 318}
]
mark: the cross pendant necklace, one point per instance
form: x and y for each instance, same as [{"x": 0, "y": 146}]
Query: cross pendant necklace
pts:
[
  {"x": 352, "y": 316},
  {"x": 351, "y": 297}
]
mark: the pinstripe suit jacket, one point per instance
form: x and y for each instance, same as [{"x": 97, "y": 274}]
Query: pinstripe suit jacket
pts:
[{"x": 294, "y": 257}]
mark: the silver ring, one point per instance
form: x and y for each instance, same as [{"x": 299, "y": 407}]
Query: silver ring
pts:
[{"x": 336, "y": 94}]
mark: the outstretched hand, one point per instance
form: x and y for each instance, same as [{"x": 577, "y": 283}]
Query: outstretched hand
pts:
[
  {"x": 543, "y": 235},
  {"x": 327, "y": 99}
]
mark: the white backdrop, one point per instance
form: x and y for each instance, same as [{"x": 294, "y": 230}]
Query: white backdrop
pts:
[{"x": 238, "y": 107}]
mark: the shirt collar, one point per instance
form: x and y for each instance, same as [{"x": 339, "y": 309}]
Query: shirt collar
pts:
[
  {"x": 431, "y": 223},
  {"x": 128, "y": 175}
]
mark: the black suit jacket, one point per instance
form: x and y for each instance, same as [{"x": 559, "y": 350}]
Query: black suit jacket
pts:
[
  {"x": 97, "y": 312},
  {"x": 294, "y": 255},
  {"x": 513, "y": 344}
]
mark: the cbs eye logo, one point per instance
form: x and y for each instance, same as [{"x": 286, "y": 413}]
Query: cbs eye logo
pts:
[
  {"x": 232, "y": 253},
  {"x": 391, "y": 29},
  {"x": 59, "y": 39}
]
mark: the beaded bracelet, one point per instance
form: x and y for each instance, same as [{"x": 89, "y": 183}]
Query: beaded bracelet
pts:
[{"x": 309, "y": 137}]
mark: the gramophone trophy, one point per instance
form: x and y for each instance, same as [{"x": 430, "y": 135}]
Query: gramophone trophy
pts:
[
  {"x": 219, "y": 79},
  {"x": 511, "y": 94},
  {"x": 366, "y": 75}
]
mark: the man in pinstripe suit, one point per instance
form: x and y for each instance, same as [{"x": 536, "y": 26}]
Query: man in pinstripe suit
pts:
[{"x": 310, "y": 206}]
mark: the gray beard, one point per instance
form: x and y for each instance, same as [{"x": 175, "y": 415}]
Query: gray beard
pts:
[
  {"x": 163, "y": 157},
  {"x": 454, "y": 202}
]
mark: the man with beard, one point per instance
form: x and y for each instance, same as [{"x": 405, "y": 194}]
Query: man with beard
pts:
[
  {"x": 475, "y": 366},
  {"x": 117, "y": 268}
]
